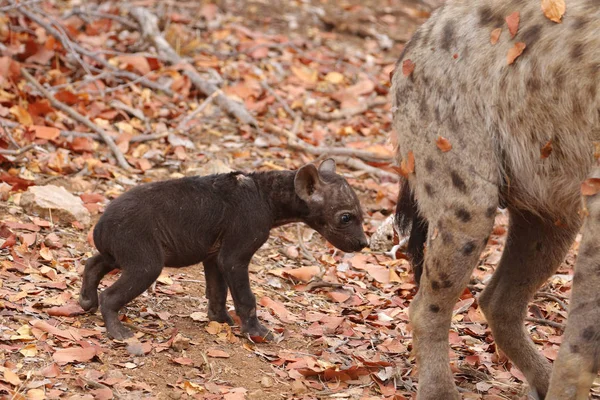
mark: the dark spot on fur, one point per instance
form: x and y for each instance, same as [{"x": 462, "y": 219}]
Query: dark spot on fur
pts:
[
  {"x": 435, "y": 285},
  {"x": 446, "y": 237},
  {"x": 429, "y": 165},
  {"x": 574, "y": 348},
  {"x": 423, "y": 109},
  {"x": 577, "y": 278},
  {"x": 468, "y": 248},
  {"x": 588, "y": 333},
  {"x": 580, "y": 23},
  {"x": 463, "y": 215},
  {"x": 559, "y": 75},
  {"x": 577, "y": 51},
  {"x": 447, "y": 39},
  {"x": 533, "y": 84},
  {"x": 429, "y": 189},
  {"x": 444, "y": 276},
  {"x": 434, "y": 309},
  {"x": 531, "y": 34},
  {"x": 490, "y": 212},
  {"x": 458, "y": 182},
  {"x": 487, "y": 17},
  {"x": 590, "y": 250},
  {"x": 539, "y": 246},
  {"x": 438, "y": 115}
]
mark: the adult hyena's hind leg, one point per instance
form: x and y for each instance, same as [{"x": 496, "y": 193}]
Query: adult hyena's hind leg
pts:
[
  {"x": 95, "y": 269},
  {"x": 535, "y": 247},
  {"x": 459, "y": 207},
  {"x": 579, "y": 357}
]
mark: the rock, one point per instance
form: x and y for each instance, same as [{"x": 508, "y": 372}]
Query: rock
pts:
[{"x": 55, "y": 201}]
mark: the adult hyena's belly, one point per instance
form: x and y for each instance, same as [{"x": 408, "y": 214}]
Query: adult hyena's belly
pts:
[{"x": 536, "y": 115}]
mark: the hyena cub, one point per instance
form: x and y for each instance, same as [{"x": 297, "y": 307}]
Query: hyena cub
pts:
[
  {"x": 479, "y": 126},
  {"x": 220, "y": 220}
]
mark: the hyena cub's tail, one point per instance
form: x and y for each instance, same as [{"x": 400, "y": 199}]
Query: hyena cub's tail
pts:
[{"x": 409, "y": 219}]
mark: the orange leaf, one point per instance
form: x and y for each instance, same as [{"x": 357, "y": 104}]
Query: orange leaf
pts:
[
  {"x": 82, "y": 144},
  {"x": 303, "y": 274},
  {"x": 11, "y": 377},
  {"x": 279, "y": 309},
  {"x": 305, "y": 74},
  {"x": 144, "y": 164},
  {"x": 183, "y": 360},
  {"x": 338, "y": 297},
  {"x": 67, "y": 97},
  {"x": 138, "y": 63},
  {"x": 22, "y": 115},
  {"x": 495, "y": 35},
  {"x": 45, "y": 132},
  {"x": 68, "y": 310},
  {"x": 407, "y": 67},
  {"x": 80, "y": 354},
  {"x": 407, "y": 166},
  {"x": 513, "y": 23},
  {"x": 554, "y": 9},
  {"x": 443, "y": 144},
  {"x": 590, "y": 186},
  {"x": 547, "y": 149},
  {"x": 217, "y": 353},
  {"x": 380, "y": 273},
  {"x": 515, "y": 52}
]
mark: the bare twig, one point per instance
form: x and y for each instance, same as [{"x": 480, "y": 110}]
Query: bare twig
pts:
[
  {"x": 80, "y": 49},
  {"x": 285, "y": 105},
  {"x": 129, "y": 110},
  {"x": 295, "y": 143},
  {"x": 360, "y": 165},
  {"x": 17, "y": 5},
  {"x": 78, "y": 117},
  {"x": 322, "y": 284},
  {"x": 350, "y": 112},
  {"x": 149, "y": 26},
  {"x": 543, "y": 321},
  {"x": 182, "y": 125},
  {"x": 554, "y": 298},
  {"x": 8, "y": 134},
  {"x": 123, "y": 21},
  {"x": 19, "y": 151}
]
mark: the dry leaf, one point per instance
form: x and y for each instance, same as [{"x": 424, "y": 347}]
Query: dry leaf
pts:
[
  {"x": 305, "y": 74},
  {"x": 183, "y": 360},
  {"x": 407, "y": 67},
  {"x": 214, "y": 327},
  {"x": 554, "y": 9},
  {"x": 515, "y": 52},
  {"x": 45, "y": 132},
  {"x": 278, "y": 308},
  {"x": 334, "y": 77},
  {"x": 443, "y": 144},
  {"x": 22, "y": 115},
  {"x": 495, "y": 35},
  {"x": 303, "y": 274},
  {"x": 407, "y": 166},
  {"x": 217, "y": 353},
  {"x": 11, "y": 377},
  {"x": 547, "y": 149},
  {"x": 590, "y": 186},
  {"x": 79, "y": 354},
  {"x": 513, "y": 23}
]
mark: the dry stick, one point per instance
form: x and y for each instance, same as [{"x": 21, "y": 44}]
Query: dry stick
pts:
[
  {"x": 359, "y": 165},
  {"x": 295, "y": 143},
  {"x": 543, "y": 321},
  {"x": 79, "y": 118},
  {"x": 350, "y": 112},
  {"x": 285, "y": 106},
  {"x": 554, "y": 298},
  {"x": 8, "y": 134},
  {"x": 303, "y": 248},
  {"x": 80, "y": 49},
  {"x": 19, "y": 151},
  {"x": 198, "y": 110},
  {"x": 128, "y": 109},
  {"x": 149, "y": 26}
]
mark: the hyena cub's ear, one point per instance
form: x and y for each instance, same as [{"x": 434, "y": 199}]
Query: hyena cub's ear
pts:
[
  {"x": 327, "y": 167},
  {"x": 307, "y": 184}
]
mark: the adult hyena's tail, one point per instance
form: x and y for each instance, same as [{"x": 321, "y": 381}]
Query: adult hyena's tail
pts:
[{"x": 408, "y": 220}]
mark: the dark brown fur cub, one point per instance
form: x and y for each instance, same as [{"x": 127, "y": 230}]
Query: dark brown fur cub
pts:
[{"x": 220, "y": 220}]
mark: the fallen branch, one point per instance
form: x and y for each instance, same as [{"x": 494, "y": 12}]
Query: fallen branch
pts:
[
  {"x": 322, "y": 284},
  {"x": 18, "y": 151},
  {"x": 362, "y": 166},
  {"x": 82, "y": 50},
  {"x": 542, "y": 321},
  {"x": 295, "y": 143},
  {"x": 181, "y": 126},
  {"x": 79, "y": 118},
  {"x": 350, "y": 112},
  {"x": 129, "y": 110},
  {"x": 553, "y": 297},
  {"x": 149, "y": 28}
]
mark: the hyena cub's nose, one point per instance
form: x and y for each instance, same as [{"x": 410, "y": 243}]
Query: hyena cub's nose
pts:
[{"x": 364, "y": 242}]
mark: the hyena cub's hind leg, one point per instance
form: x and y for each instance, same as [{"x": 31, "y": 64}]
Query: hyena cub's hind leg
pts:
[
  {"x": 95, "y": 269},
  {"x": 579, "y": 358}
]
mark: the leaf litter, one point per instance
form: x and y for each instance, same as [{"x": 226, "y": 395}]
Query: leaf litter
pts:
[{"x": 342, "y": 318}]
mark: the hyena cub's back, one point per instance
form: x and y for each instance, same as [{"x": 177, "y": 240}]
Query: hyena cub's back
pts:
[{"x": 527, "y": 127}]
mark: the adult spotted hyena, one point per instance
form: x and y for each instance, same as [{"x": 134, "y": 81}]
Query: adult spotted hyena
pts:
[{"x": 479, "y": 126}]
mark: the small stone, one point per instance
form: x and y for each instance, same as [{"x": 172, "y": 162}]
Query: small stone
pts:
[
  {"x": 55, "y": 202},
  {"x": 267, "y": 381},
  {"x": 180, "y": 343}
]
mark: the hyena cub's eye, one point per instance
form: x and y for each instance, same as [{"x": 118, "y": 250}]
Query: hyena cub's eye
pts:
[{"x": 346, "y": 218}]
